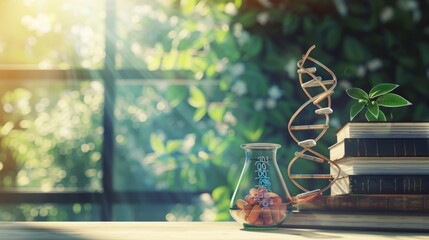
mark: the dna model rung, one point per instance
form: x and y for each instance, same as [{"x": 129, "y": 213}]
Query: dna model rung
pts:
[
  {"x": 309, "y": 157},
  {"x": 322, "y": 96},
  {"x": 309, "y": 143},
  {"x": 307, "y": 70},
  {"x": 326, "y": 110},
  {"x": 313, "y": 83},
  {"x": 309, "y": 127},
  {"x": 306, "y": 196},
  {"x": 309, "y": 176},
  {"x": 322, "y": 101}
]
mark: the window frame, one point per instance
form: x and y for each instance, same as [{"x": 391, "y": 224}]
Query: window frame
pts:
[{"x": 107, "y": 197}]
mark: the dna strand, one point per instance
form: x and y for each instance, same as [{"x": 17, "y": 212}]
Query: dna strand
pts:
[{"x": 307, "y": 152}]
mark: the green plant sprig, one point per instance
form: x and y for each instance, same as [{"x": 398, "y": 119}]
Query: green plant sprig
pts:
[{"x": 378, "y": 96}]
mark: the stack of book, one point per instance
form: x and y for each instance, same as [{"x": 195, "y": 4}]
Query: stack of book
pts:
[
  {"x": 382, "y": 158},
  {"x": 384, "y": 179}
]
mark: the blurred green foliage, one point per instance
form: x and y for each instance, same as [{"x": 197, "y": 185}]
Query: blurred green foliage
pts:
[
  {"x": 256, "y": 49},
  {"x": 50, "y": 139},
  {"x": 49, "y": 212},
  {"x": 51, "y": 143},
  {"x": 238, "y": 83}
]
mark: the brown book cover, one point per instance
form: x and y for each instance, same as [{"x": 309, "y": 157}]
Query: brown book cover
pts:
[
  {"x": 376, "y": 203},
  {"x": 406, "y": 203},
  {"x": 365, "y": 220}
]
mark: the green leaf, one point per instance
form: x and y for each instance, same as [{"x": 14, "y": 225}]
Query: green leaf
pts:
[
  {"x": 353, "y": 50},
  {"x": 156, "y": 143},
  {"x": 225, "y": 47},
  {"x": 290, "y": 23},
  {"x": 248, "y": 18},
  {"x": 216, "y": 112},
  {"x": 355, "y": 109},
  {"x": 259, "y": 86},
  {"x": 381, "y": 116},
  {"x": 357, "y": 93},
  {"x": 238, "y": 3},
  {"x": 190, "y": 41},
  {"x": 175, "y": 95},
  {"x": 277, "y": 118},
  {"x": 221, "y": 193},
  {"x": 392, "y": 100},
  {"x": 381, "y": 89},
  {"x": 174, "y": 145},
  {"x": 223, "y": 216},
  {"x": 184, "y": 60},
  {"x": 333, "y": 36},
  {"x": 369, "y": 116},
  {"x": 197, "y": 98},
  {"x": 199, "y": 113},
  {"x": 309, "y": 24},
  {"x": 373, "y": 109},
  {"x": 253, "y": 128},
  {"x": 188, "y": 6},
  {"x": 253, "y": 46},
  {"x": 169, "y": 61}
]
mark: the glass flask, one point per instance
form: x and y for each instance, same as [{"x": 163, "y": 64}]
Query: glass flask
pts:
[{"x": 261, "y": 198}]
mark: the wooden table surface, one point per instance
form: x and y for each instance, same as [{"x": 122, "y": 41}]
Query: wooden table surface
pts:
[{"x": 178, "y": 230}]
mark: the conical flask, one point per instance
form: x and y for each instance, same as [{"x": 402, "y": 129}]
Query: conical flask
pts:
[{"x": 261, "y": 198}]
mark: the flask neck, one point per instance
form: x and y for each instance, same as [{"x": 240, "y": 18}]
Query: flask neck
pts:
[
  {"x": 261, "y": 155},
  {"x": 261, "y": 151}
]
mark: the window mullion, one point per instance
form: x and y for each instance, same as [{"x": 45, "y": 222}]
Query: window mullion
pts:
[{"x": 109, "y": 78}]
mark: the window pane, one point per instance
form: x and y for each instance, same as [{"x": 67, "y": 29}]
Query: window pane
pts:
[
  {"x": 161, "y": 145},
  {"x": 173, "y": 130},
  {"x": 142, "y": 25},
  {"x": 51, "y": 33},
  {"x": 165, "y": 35},
  {"x": 51, "y": 134}
]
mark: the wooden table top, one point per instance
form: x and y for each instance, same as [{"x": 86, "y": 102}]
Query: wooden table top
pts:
[{"x": 178, "y": 230}]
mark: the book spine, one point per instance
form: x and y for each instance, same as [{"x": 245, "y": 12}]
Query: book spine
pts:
[
  {"x": 359, "y": 203},
  {"x": 376, "y": 184},
  {"x": 385, "y": 147},
  {"x": 381, "y": 184}
]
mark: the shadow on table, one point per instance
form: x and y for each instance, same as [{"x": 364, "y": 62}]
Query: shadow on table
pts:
[
  {"x": 334, "y": 234},
  {"x": 307, "y": 233},
  {"x": 23, "y": 231}
]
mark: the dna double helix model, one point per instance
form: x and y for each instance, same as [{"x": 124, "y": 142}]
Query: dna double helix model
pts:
[{"x": 322, "y": 102}]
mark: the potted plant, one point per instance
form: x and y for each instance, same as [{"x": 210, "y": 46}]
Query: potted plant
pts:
[{"x": 379, "y": 96}]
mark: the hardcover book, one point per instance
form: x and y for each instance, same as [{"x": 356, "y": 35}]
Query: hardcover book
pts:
[
  {"x": 383, "y": 130},
  {"x": 369, "y": 203},
  {"x": 415, "y": 222},
  {"x": 380, "y": 147},
  {"x": 382, "y": 166},
  {"x": 381, "y": 184}
]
